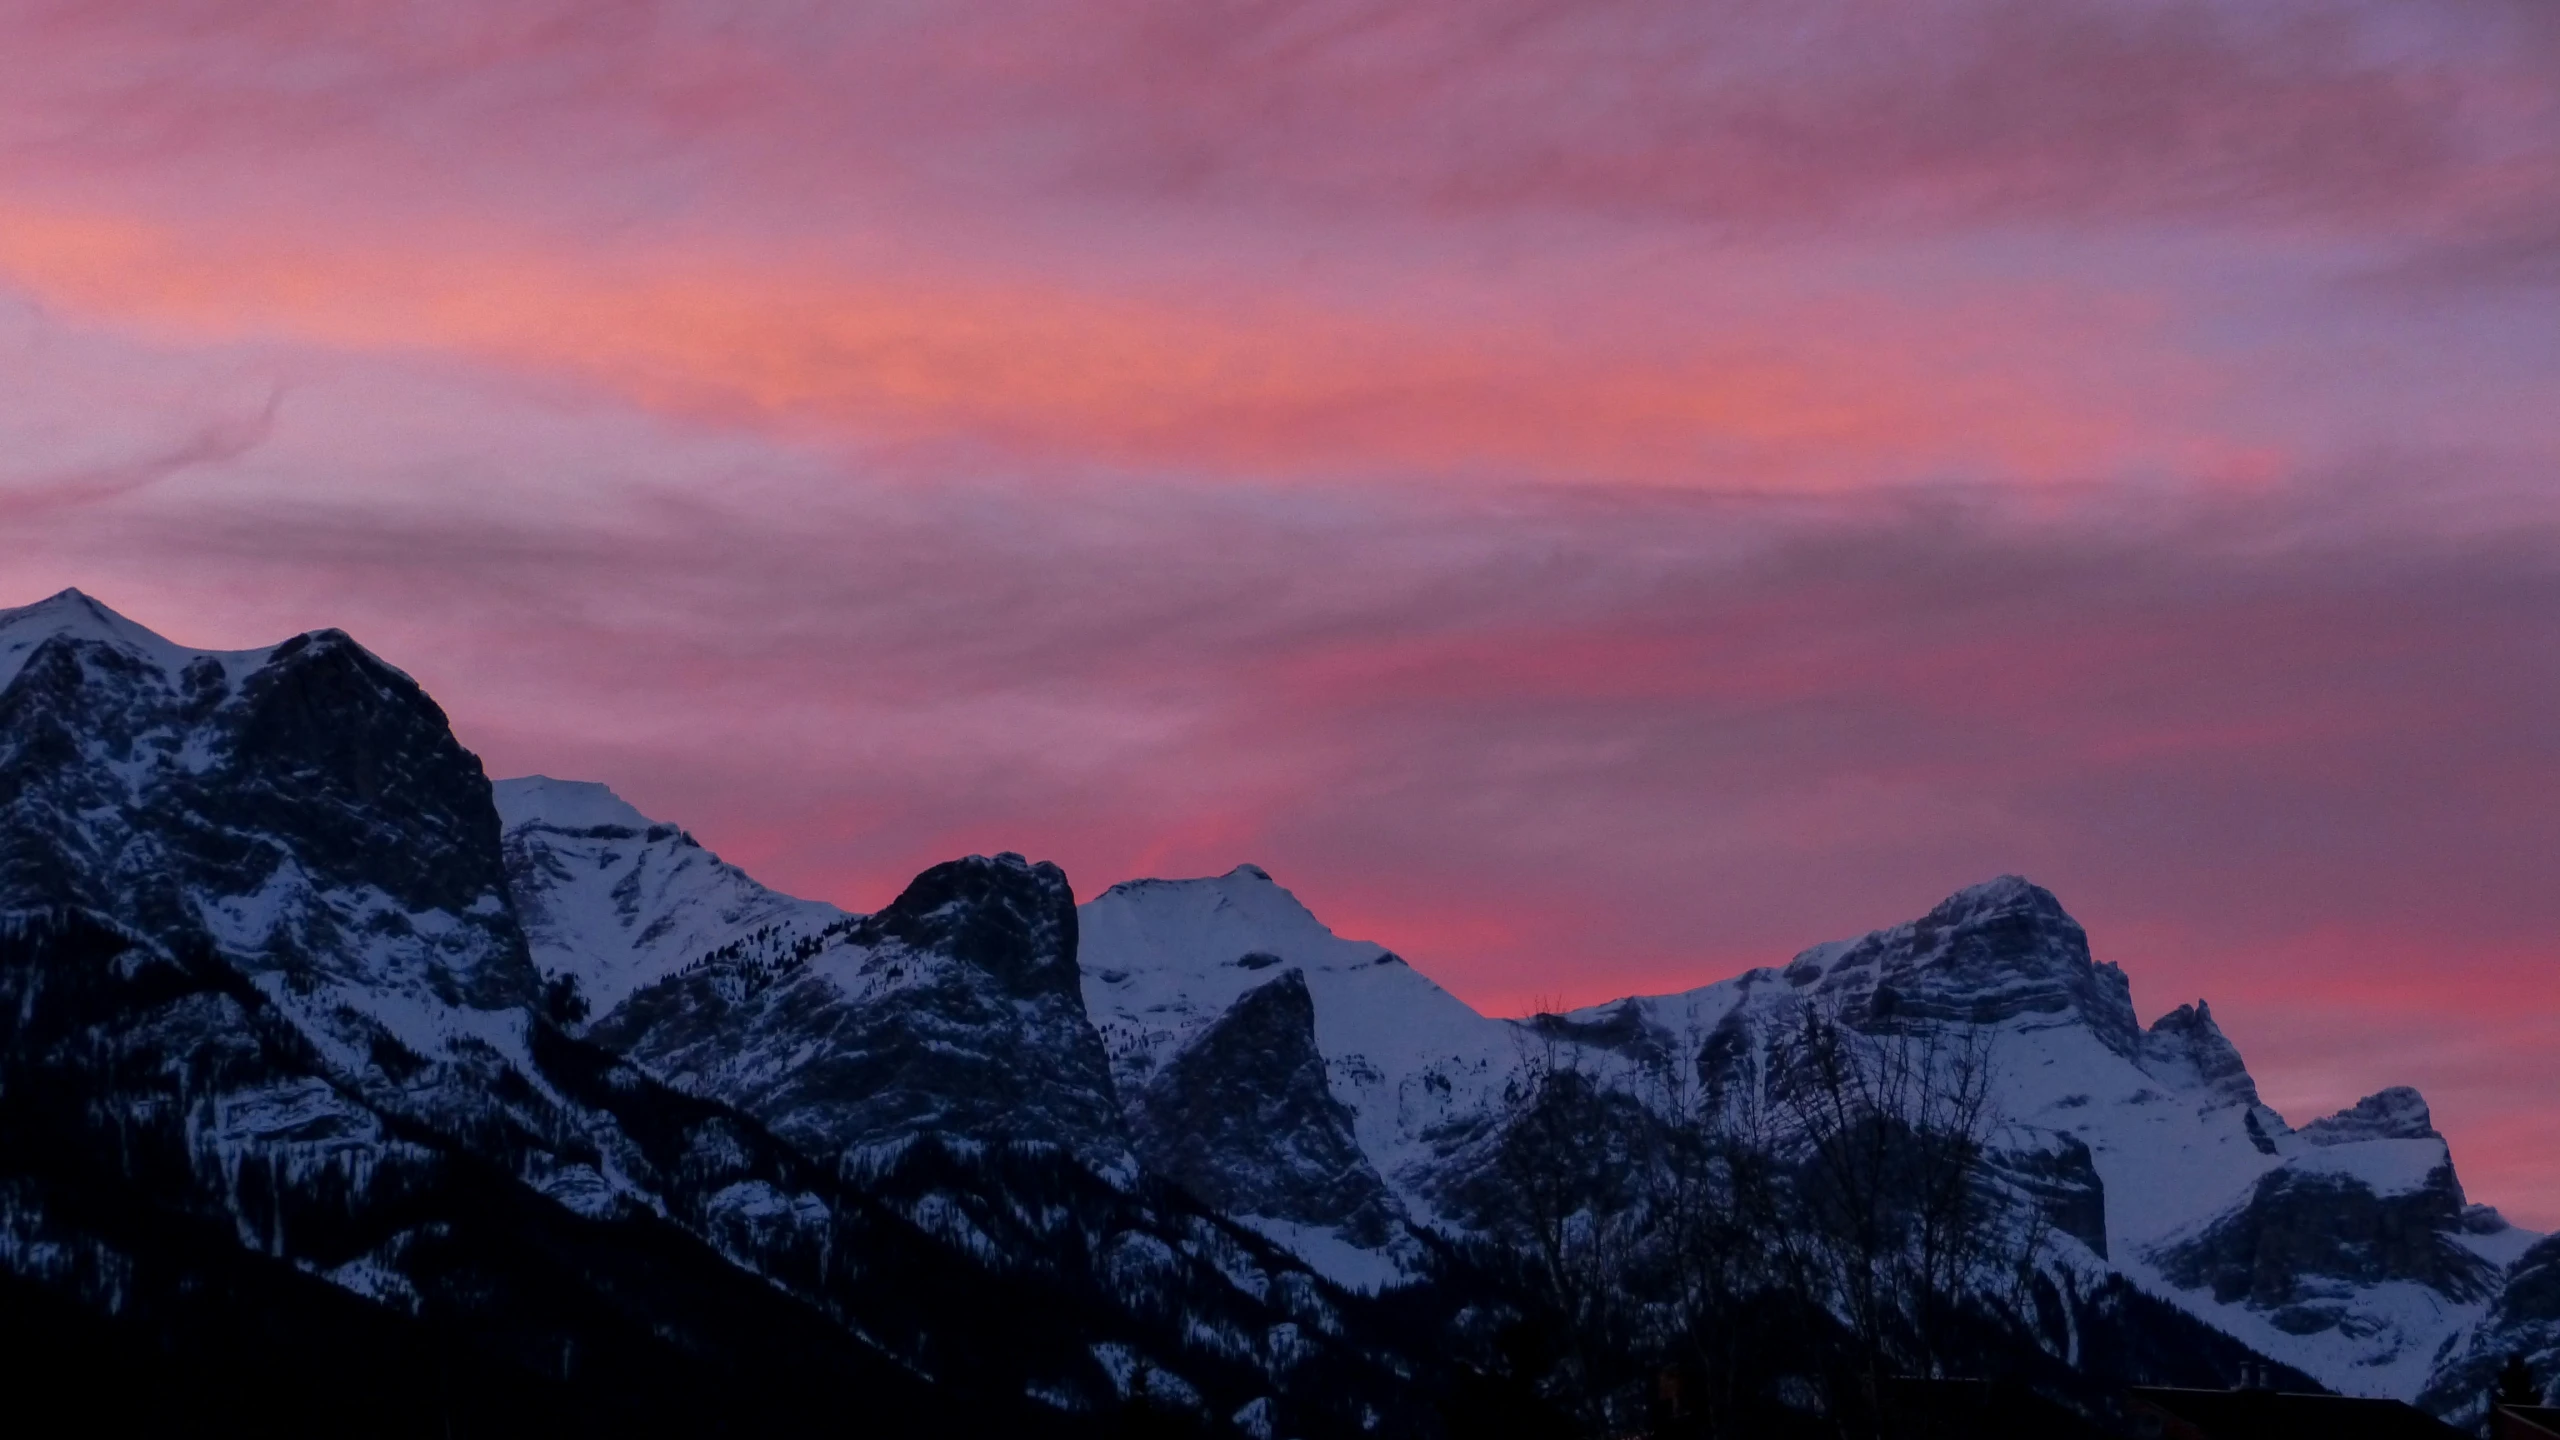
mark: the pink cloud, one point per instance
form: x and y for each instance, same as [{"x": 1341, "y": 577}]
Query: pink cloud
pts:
[
  {"x": 1595, "y": 496},
  {"x": 1818, "y": 393},
  {"x": 1621, "y": 242},
  {"x": 1743, "y": 114}
]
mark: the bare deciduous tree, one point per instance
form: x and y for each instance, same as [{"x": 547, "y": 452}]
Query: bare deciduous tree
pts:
[
  {"x": 1823, "y": 1207},
  {"x": 1895, "y": 1226}
]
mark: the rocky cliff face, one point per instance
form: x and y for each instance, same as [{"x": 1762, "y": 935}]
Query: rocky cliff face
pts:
[
  {"x": 2001, "y": 953},
  {"x": 2354, "y": 1247},
  {"x": 1416, "y": 1069},
  {"x": 1241, "y": 1117},
  {"x": 2312, "y": 1232},
  {"x": 299, "y": 815},
  {"x": 2398, "y": 1113},
  {"x": 953, "y": 1013},
  {"x": 304, "y": 809},
  {"x": 2189, "y": 1052},
  {"x": 2524, "y": 1322}
]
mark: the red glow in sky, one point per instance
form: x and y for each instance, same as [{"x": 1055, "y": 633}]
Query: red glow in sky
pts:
[{"x": 1595, "y": 495}]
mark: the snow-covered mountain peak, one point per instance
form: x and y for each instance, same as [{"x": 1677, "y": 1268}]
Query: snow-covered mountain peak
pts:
[
  {"x": 564, "y": 805},
  {"x": 1201, "y": 917},
  {"x": 1996, "y": 951},
  {"x": 1169, "y": 955},
  {"x": 1010, "y": 918},
  {"x": 953, "y": 1012},
  {"x": 1999, "y": 893},
  {"x": 70, "y": 612},
  {"x": 75, "y": 616},
  {"x": 1244, "y": 1117},
  {"x": 1163, "y": 960},
  {"x": 613, "y": 900},
  {"x": 2186, "y": 1049},
  {"x": 2399, "y": 1113},
  {"x": 2001, "y": 952},
  {"x": 302, "y": 812},
  {"x": 302, "y": 818}
]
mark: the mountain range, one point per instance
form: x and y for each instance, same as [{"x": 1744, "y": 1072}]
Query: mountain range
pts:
[{"x": 331, "y": 1070}]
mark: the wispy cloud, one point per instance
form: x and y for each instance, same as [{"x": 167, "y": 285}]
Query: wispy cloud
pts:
[
  {"x": 1593, "y": 494},
  {"x": 1634, "y": 241},
  {"x": 216, "y": 442}
]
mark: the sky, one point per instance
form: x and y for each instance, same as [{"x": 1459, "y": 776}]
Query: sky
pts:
[{"x": 1595, "y": 496}]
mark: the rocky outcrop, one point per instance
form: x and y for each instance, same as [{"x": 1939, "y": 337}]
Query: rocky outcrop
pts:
[
  {"x": 2525, "y": 1322},
  {"x": 953, "y": 1013},
  {"x": 2186, "y": 1049},
  {"x": 1242, "y": 1118},
  {"x": 304, "y": 809},
  {"x": 2056, "y": 1174},
  {"x": 1165, "y": 961},
  {"x": 2390, "y": 1210},
  {"x": 2366, "y": 1201},
  {"x": 2398, "y": 1113},
  {"x": 1998, "y": 952}
]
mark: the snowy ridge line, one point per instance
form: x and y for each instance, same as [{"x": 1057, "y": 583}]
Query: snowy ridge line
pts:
[
  {"x": 73, "y": 615},
  {"x": 615, "y": 901},
  {"x": 2173, "y": 1149},
  {"x": 1316, "y": 1091}
]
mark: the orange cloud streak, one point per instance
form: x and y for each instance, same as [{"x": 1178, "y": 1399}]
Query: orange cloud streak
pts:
[{"x": 1834, "y": 395}]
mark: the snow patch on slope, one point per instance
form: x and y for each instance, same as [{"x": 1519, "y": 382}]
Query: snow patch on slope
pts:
[
  {"x": 563, "y": 804},
  {"x": 1163, "y": 959},
  {"x": 1336, "y": 1259},
  {"x": 617, "y": 900},
  {"x": 2386, "y": 1167}
]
